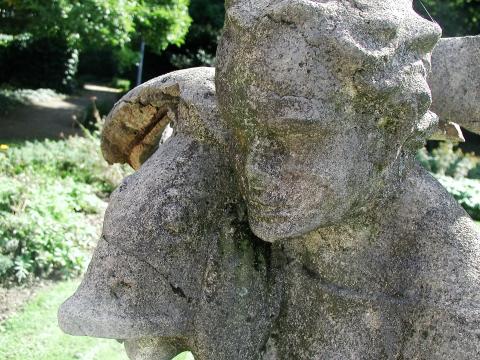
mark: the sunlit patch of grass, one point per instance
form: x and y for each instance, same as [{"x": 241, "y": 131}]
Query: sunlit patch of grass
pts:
[{"x": 34, "y": 334}]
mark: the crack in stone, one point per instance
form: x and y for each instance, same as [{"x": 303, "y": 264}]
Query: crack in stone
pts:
[
  {"x": 177, "y": 290},
  {"x": 375, "y": 297}
]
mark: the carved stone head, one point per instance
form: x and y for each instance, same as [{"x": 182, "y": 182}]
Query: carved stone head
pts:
[{"x": 326, "y": 100}]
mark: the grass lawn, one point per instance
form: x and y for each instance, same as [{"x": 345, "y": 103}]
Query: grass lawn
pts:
[{"x": 33, "y": 334}]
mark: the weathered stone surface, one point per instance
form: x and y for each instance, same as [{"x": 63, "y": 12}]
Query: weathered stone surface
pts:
[
  {"x": 296, "y": 223},
  {"x": 302, "y": 83},
  {"x": 455, "y": 81}
]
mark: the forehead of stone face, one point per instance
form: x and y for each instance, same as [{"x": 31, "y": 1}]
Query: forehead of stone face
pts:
[{"x": 282, "y": 44}]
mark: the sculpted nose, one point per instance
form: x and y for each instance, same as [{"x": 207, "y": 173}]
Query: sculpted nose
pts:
[{"x": 123, "y": 297}]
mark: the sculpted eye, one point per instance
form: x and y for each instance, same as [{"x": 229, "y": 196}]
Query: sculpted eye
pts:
[{"x": 386, "y": 31}]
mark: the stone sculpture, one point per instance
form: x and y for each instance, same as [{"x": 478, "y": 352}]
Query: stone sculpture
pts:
[{"x": 291, "y": 221}]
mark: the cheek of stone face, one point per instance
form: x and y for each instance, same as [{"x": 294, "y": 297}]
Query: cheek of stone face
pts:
[{"x": 294, "y": 191}]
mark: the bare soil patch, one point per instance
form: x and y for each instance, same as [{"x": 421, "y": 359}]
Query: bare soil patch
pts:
[{"x": 54, "y": 118}]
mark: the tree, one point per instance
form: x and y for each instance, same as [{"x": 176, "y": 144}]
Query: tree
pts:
[
  {"x": 200, "y": 43},
  {"x": 456, "y": 17},
  {"x": 90, "y": 23}
]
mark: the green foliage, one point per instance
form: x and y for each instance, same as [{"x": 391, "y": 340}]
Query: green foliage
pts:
[
  {"x": 43, "y": 227},
  {"x": 46, "y": 62},
  {"x": 465, "y": 191},
  {"x": 445, "y": 160},
  {"x": 123, "y": 84},
  {"x": 10, "y": 97},
  {"x": 184, "y": 356},
  {"x": 201, "y": 42},
  {"x": 456, "y": 17},
  {"x": 96, "y": 23},
  {"x": 78, "y": 158},
  {"x": 66, "y": 26},
  {"x": 51, "y": 206},
  {"x": 161, "y": 23},
  {"x": 29, "y": 96},
  {"x": 459, "y": 173}
]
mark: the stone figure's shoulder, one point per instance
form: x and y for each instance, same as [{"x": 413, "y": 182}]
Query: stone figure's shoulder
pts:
[
  {"x": 426, "y": 206},
  {"x": 163, "y": 221}
]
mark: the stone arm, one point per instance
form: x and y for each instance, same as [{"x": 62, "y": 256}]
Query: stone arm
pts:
[
  {"x": 183, "y": 101},
  {"x": 455, "y": 81},
  {"x": 146, "y": 277}
]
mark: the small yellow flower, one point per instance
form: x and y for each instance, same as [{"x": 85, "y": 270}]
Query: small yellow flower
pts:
[{"x": 3, "y": 147}]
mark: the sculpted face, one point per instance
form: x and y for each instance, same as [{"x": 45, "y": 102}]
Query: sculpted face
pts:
[{"x": 326, "y": 100}]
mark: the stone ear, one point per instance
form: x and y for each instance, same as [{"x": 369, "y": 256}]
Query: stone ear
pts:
[
  {"x": 183, "y": 100},
  {"x": 455, "y": 81}
]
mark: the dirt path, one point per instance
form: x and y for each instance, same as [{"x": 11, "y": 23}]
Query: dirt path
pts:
[
  {"x": 13, "y": 299},
  {"x": 54, "y": 118}
]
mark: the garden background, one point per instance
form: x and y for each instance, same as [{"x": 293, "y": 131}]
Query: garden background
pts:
[{"x": 63, "y": 64}]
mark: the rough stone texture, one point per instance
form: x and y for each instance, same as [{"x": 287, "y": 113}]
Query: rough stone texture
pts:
[
  {"x": 455, "y": 81},
  {"x": 296, "y": 224}
]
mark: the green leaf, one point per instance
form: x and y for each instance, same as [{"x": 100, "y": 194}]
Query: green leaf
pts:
[{"x": 187, "y": 355}]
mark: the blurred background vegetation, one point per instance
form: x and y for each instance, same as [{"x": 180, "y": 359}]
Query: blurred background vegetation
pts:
[
  {"x": 54, "y": 188},
  {"x": 456, "y": 17},
  {"x": 56, "y": 44}
]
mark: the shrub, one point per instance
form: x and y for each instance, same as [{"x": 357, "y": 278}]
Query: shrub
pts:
[
  {"x": 446, "y": 160},
  {"x": 48, "y": 62},
  {"x": 122, "y": 84},
  {"x": 52, "y": 199},
  {"x": 465, "y": 191},
  {"x": 457, "y": 172},
  {"x": 77, "y": 157},
  {"x": 10, "y": 98},
  {"x": 44, "y": 227}
]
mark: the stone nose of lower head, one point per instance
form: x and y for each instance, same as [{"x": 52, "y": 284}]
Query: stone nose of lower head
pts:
[{"x": 123, "y": 297}]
